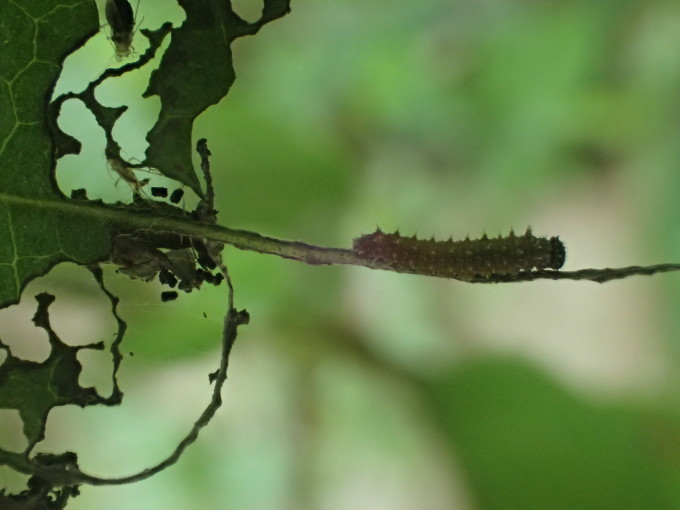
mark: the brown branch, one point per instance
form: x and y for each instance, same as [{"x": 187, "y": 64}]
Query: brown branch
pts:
[{"x": 596, "y": 275}]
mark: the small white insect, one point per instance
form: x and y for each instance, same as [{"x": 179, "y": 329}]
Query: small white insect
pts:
[{"x": 125, "y": 173}]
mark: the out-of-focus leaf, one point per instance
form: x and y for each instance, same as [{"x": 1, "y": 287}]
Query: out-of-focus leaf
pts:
[{"x": 525, "y": 443}]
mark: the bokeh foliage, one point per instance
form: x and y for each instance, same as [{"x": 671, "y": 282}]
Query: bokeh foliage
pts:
[{"x": 438, "y": 118}]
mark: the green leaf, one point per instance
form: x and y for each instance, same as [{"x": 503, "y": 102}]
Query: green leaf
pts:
[
  {"x": 39, "y": 226},
  {"x": 196, "y": 72},
  {"x": 35, "y": 388},
  {"x": 37, "y": 231}
]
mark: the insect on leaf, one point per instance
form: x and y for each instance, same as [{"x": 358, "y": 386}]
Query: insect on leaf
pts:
[{"x": 121, "y": 20}]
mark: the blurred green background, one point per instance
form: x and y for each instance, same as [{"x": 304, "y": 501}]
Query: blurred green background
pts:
[{"x": 361, "y": 389}]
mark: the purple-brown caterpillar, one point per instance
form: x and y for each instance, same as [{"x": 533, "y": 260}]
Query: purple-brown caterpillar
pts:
[{"x": 464, "y": 260}]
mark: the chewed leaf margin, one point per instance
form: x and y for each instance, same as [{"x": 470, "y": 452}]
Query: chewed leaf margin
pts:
[
  {"x": 196, "y": 72},
  {"x": 34, "y": 388}
]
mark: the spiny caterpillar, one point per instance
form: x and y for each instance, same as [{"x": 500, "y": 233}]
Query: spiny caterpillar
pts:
[{"x": 464, "y": 260}]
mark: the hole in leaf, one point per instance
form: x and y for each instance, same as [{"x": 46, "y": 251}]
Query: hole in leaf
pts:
[
  {"x": 12, "y": 481},
  {"x": 249, "y": 10},
  {"x": 11, "y": 431},
  {"x": 18, "y": 332},
  {"x": 80, "y": 314},
  {"x": 87, "y": 170},
  {"x": 96, "y": 370}
]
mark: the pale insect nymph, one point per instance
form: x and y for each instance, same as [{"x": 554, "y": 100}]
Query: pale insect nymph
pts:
[
  {"x": 125, "y": 172},
  {"x": 121, "y": 20}
]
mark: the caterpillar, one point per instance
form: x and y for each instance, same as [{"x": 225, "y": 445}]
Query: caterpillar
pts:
[{"x": 464, "y": 260}]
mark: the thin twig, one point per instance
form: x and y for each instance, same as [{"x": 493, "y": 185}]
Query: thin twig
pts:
[
  {"x": 130, "y": 220},
  {"x": 595, "y": 275},
  {"x": 73, "y": 476}
]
